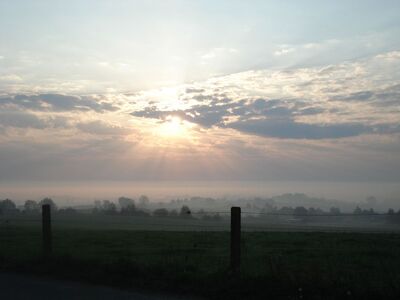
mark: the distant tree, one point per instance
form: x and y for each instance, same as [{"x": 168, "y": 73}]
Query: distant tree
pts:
[
  {"x": 97, "y": 204},
  {"x": 143, "y": 201},
  {"x": 7, "y": 206},
  {"x": 125, "y": 202},
  {"x": 367, "y": 211},
  {"x": 127, "y": 206},
  {"x": 357, "y": 211},
  {"x": 390, "y": 211},
  {"x": 185, "y": 212},
  {"x": 160, "y": 212},
  {"x": 109, "y": 207},
  {"x": 285, "y": 210},
  {"x": 312, "y": 211},
  {"x": 129, "y": 210},
  {"x": 31, "y": 206},
  {"x": 269, "y": 208},
  {"x": 49, "y": 201},
  {"x": 97, "y": 207},
  {"x": 334, "y": 211},
  {"x": 300, "y": 211}
]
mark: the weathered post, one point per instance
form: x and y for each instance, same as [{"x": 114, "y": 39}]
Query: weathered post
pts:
[
  {"x": 46, "y": 229},
  {"x": 235, "y": 239}
]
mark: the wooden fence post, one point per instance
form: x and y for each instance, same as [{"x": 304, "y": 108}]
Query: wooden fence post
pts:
[
  {"x": 46, "y": 229},
  {"x": 235, "y": 239}
]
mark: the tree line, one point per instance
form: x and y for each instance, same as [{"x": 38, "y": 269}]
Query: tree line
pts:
[{"x": 129, "y": 207}]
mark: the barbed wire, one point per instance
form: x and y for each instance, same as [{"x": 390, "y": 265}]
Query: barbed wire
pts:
[{"x": 320, "y": 215}]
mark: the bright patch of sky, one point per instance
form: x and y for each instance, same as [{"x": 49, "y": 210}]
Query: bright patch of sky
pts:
[{"x": 97, "y": 46}]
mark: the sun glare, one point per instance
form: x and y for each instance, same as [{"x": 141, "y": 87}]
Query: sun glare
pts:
[{"x": 173, "y": 127}]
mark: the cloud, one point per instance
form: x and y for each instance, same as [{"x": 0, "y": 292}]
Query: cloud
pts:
[
  {"x": 284, "y": 51},
  {"x": 10, "y": 78},
  {"x": 271, "y": 111},
  {"x": 21, "y": 120},
  {"x": 193, "y": 90},
  {"x": 333, "y": 122},
  {"x": 58, "y": 102},
  {"x": 288, "y": 129},
  {"x": 389, "y": 96},
  {"x": 101, "y": 128},
  {"x": 335, "y": 101},
  {"x": 274, "y": 118}
]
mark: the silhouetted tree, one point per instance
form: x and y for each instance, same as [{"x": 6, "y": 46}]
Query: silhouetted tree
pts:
[
  {"x": 143, "y": 201},
  {"x": 185, "y": 212},
  {"x": 367, "y": 211},
  {"x": 300, "y": 211},
  {"x": 31, "y": 206},
  {"x": 109, "y": 207},
  {"x": 285, "y": 210},
  {"x": 97, "y": 207},
  {"x": 357, "y": 211},
  {"x": 334, "y": 211},
  {"x": 391, "y": 211},
  {"x": 127, "y": 206},
  {"x": 160, "y": 212},
  {"x": 125, "y": 202},
  {"x": 7, "y": 206},
  {"x": 49, "y": 201},
  {"x": 312, "y": 211}
]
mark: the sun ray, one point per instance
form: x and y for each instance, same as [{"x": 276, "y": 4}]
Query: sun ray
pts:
[{"x": 174, "y": 127}]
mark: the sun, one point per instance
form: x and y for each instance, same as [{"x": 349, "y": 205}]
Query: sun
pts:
[{"x": 173, "y": 127}]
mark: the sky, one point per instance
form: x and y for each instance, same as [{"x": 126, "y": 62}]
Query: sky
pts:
[{"x": 199, "y": 90}]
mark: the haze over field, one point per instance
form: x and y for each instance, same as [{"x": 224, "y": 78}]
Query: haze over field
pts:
[{"x": 174, "y": 98}]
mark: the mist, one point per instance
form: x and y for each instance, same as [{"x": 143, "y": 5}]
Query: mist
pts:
[{"x": 81, "y": 193}]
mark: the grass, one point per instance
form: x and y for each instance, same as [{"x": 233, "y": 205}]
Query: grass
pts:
[{"x": 290, "y": 265}]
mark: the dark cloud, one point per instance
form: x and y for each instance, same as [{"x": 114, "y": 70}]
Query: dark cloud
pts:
[
  {"x": 358, "y": 96},
  {"x": 288, "y": 129},
  {"x": 21, "y": 120},
  {"x": 310, "y": 111},
  {"x": 253, "y": 116},
  {"x": 201, "y": 98},
  {"x": 272, "y": 117},
  {"x": 58, "y": 103},
  {"x": 389, "y": 96}
]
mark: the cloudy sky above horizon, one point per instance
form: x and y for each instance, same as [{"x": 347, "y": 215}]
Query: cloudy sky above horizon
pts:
[{"x": 198, "y": 90}]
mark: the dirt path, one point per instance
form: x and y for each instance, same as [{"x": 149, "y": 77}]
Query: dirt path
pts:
[{"x": 18, "y": 287}]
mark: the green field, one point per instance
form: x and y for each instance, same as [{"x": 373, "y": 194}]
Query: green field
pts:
[{"x": 294, "y": 265}]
